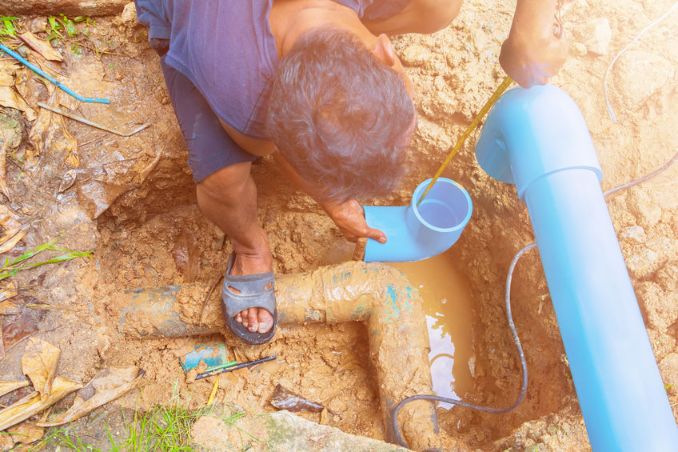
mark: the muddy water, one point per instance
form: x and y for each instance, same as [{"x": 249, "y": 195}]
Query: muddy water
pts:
[{"x": 447, "y": 303}]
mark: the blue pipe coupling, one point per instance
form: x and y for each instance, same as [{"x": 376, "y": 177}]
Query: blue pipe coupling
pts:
[{"x": 417, "y": 232}]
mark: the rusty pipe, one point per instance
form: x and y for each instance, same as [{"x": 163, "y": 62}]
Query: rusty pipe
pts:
[{"x": 376, "y": 294}]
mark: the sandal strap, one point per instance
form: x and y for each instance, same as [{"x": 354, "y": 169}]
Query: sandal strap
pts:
[{"x": 255, "y": 291}]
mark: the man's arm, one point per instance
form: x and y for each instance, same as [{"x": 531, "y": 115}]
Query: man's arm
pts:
[{"x": 532, "y": 53}]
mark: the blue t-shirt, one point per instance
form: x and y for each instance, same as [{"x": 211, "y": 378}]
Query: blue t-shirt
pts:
[{"x": 227, "y": 50}]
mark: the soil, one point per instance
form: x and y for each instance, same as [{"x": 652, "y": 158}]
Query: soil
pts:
[{"x": 133, "y": 203}]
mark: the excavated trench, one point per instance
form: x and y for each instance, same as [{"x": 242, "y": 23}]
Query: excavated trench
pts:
[{"x": 154, "y": 236}]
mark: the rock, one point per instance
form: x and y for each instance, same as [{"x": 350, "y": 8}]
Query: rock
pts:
[
  {"x": 129, "y": 14},
  {"x": 640, "y": 74},
  {"x": 598, "y": 35},
  {"x": 281, "y": 431},
  {"x": 669, "y": 370},
  {"x": 416, "y": 55},
  {"x": 661, "y": 307},
  {"x": 579, "y": 49},
  {"x": 635, "y": 233},
  {"x": 67, "y": 7}
]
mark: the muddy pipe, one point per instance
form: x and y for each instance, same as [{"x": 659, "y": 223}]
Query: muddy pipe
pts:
[
  {"x": 420, "y": 230},
  {"x": 376, "y": 294},
  {"x": 537, "y": 139}
]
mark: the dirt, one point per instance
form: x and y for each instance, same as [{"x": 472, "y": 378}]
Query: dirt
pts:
[{"x": 133, "y": 203}]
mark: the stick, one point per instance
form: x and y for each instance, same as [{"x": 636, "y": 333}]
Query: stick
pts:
[{"x": 91, "y": 123}]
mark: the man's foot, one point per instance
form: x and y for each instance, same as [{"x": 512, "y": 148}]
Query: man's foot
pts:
[{"x": 256, "y": 320}]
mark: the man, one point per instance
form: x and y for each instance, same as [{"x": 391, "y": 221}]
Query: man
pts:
[{"x": 317, "y": 84}]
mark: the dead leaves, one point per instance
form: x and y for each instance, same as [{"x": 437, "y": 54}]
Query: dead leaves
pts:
[
  {"x": 8, "y": 386},
  {"x": 39, "y": 364},
  {"x": 107, "y": 385},
  {"x": 44, "y": 48},
  {"x": 33, "y": 403}
]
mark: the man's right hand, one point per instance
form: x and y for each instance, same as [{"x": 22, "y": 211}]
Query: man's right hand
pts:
[{"x": 350, "y": 219}]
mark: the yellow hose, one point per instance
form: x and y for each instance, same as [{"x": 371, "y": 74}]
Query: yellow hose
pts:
[{"x": 469, "y": 130}]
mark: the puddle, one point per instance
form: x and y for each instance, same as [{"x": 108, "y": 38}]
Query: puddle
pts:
[{"x": 447, "y": 303}]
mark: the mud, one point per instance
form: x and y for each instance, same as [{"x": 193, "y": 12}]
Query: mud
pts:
[{"x": 132, "y": 201}]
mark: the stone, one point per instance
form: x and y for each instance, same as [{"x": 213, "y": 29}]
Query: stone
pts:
[
  {"x": 416, "y": 55},
  {"x": 640, "y": 74},
  {"x": 635, "y": 233},
  {"x": 598, "y": 35},
  {"x": 281, "y": 431},
  {"x": 661, "y": 307},
  {"x": 579, "y": 49},
  {"x": 129, "y": 14},
  {"x": 669, "y": 370}
]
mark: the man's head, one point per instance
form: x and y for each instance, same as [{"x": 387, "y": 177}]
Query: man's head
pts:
[{"x": 341, "y": 115}]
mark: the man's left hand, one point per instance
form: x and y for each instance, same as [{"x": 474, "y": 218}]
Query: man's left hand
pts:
[{"x": 531, "y": 58}]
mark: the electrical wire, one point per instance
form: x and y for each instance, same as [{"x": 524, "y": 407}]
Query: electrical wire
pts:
[
  {"x": 512, "y": 326},
  {"x": 648, "y": 27}
]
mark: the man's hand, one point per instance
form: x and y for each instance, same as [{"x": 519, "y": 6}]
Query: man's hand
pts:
[
  {"x": 532, "y": 53},
  {"x": 350, "y": 219}
]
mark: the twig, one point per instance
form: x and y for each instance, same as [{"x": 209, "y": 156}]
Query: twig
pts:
[{"x": 92, "y": 123}]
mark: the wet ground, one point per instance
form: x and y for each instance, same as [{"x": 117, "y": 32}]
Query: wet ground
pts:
[{"x": 132, "y": 202}]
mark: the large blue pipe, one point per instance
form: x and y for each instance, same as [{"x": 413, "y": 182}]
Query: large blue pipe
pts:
[{"x": 537, "y": 139}]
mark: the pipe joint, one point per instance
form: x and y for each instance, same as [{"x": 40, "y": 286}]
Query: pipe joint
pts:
[{"x": 532, "y": 133}]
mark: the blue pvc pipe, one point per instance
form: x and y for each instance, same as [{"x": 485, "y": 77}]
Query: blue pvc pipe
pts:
[
  {"x": 419, "y": 232},
  {"x": 537, "y": 139},
  {"x": 51, "y": 79}
]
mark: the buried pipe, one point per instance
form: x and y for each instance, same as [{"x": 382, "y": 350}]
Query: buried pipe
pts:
[
  {"x": 378, "y": 295},
  {"x": 420, "y": 230},
  {"x": 537, "y": 139}
]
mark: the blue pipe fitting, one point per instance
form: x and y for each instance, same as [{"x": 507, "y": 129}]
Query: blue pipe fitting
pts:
[
  {"x": 538, "y": 139},
  {"x": 419, "y": 232}
]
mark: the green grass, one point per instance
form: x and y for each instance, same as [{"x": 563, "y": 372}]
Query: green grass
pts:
[
  {"x": 10, "y": 267},
  {"x": 7, "y": 26},
  {"x": 163, "y": 428}
]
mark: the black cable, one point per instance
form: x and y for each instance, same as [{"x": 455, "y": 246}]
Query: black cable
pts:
[
  {"x": 487, "y": 409},
  {"x": 509, "y": 316}
]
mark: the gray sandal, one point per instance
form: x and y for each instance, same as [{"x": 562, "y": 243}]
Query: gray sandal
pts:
[{"x": 254, "y": 291}]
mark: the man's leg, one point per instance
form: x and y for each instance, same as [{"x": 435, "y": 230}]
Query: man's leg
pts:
[
  {"x": 418, "y": 16},
  {"x": 228, "y": 198}
]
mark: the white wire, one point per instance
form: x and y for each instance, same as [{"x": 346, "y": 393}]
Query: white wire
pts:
[{"x": 648, "y": 27}]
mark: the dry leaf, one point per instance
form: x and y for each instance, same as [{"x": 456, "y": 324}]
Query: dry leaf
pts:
[
  {"x": 33, "y": 403},
  {"x": 26, "y": 433},
  {"x": 8, "y": 386},
  {"x": 107, "y": 385},
  {"x": 8, "y": 289},
  {"x": 8, "y": 219},
  {"x": 44, "y": 48},
  {"x": 8, "y": 308},
  {"x": 11, "y": 99},
  {"x": 49, "y": 133},
  {"x": 10, "y": 242},
  {"x": 39, "y": 363},
  {"x": 6, "y": 441},
  {"x": 7, "y": 70}
]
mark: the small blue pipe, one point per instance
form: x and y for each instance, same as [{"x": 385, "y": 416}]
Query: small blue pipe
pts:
[
  {"x": 52, "y": 80},
  {"x": 419, "y": 232},
  {"x": 537, "y": 139}
]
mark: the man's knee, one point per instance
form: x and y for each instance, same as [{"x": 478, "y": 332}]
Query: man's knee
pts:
[
  {"x": 436, "y": 14},
  {"x": 226, "y": 184}
]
